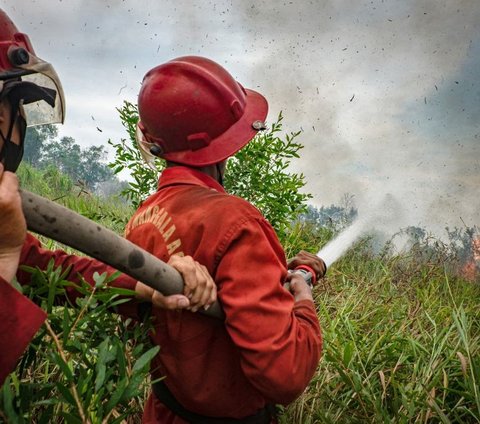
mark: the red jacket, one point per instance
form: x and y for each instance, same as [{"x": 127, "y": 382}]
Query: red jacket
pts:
[
  {"x": 268, "y": 347},
  {"x": 34, "y": 255},
  {"x": 20, "y": 319}
]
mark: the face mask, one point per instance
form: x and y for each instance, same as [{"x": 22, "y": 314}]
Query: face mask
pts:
[{"x": 11, "y": 154}]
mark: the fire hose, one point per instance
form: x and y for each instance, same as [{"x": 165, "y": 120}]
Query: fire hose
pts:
[{"x": 72, "y": 229}]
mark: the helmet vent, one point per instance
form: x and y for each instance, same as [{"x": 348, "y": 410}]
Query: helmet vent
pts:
[
  {"x": 237, "y": 109},
  {"x": 18, "y": 56},
  {"x": 198, "y": 140}
]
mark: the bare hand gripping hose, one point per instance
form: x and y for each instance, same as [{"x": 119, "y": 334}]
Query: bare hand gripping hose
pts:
[{"x": 68, "y": 227}]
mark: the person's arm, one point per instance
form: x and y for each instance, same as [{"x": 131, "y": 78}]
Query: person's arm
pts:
[
  {"x": 12, "y": 224},
  {"x": 36, "y": 256},
  {"x": 278, "y": 336},
  {"x": 20, "y": 319},
  {"x": 198, "y": 282}
]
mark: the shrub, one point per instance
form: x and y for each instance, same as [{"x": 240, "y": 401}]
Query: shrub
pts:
[{"x": 257, "y": 173}]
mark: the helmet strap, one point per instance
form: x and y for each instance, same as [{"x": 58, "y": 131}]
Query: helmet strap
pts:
[{"x": 219, "y": 172}]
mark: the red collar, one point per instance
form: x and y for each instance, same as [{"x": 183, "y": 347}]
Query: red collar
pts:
[{"x": 185, "y": 175}]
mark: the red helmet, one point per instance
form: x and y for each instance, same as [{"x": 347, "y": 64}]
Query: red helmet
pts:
[
  {"x": 27, "y": 79},
  {"x": 193, "y": 112}
]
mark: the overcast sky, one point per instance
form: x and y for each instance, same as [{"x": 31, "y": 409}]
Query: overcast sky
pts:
[{"x": 387, "y": 92}]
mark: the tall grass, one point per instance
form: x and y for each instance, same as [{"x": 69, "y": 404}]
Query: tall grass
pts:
[
  {"x": 401, "y": 344},
  {"x": 401, "y": 336},
  {"x": 112, "y": 212}
]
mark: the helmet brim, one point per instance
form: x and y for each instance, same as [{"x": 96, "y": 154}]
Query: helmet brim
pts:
[{"x": 231, "y": 141}]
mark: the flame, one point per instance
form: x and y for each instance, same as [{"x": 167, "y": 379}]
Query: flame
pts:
[{"x": 471, "y": 269}]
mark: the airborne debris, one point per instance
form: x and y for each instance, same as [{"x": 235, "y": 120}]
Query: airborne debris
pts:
[{"x": 352, "y": 97}]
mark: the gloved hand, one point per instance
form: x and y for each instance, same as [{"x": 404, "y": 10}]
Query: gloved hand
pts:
[{"x": 312, "y": 261}]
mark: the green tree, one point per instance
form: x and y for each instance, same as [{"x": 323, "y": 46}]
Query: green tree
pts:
[
  {"x": 65, "y": 154},
  {"x": 93, "y": 169},
  {"x": 35, "y": 139},
  {"x": 84, "y": 165},
  {"x": 257, "y": 173},
  {"x": 128, "y": 157}
]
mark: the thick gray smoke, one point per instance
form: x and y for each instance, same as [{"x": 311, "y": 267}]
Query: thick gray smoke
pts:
[
  {"x": 388, "y": 95},
  {"x": 387, "y": 92}
]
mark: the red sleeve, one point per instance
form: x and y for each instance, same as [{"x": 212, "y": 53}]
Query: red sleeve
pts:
[
  {"x": 34, "y": 255},
  {"x": 279, "y": 340},
  {"x": 20, "y": 319}
]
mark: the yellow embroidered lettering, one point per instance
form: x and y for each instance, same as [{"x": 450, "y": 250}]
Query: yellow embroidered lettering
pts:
[
  {"x": 174, "y": 245},
  {"x": 168, "y": 233},
  {"x": 159, "y": 219},
  {"x": 164, "y": 225},
  {"x": 146, "y": 215}
]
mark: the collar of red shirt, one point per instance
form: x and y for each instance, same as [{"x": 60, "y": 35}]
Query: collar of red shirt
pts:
[{"x": 185, "y": 175}]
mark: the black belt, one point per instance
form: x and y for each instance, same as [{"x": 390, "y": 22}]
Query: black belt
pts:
[{"x": 164, "y": 395}]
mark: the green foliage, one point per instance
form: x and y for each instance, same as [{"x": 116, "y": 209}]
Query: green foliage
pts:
[
  {"x": 257, "y": 173},
  {"x": 48, "y": 182},
  {"x": 54, "y": 185},
  {"x": 306, "y": 236},
  {"x": 100, "y": 357},
  {"x": 128, "y": 157},
  {"x": 84, "y": 365}
]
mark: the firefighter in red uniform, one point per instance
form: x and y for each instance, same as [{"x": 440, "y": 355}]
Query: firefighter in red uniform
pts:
[
  {"x": 30, "y": 92},
  {"x": 195, "y": 115}
]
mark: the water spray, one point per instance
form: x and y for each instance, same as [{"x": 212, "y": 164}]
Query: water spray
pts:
[
  {"x": 389, "y": 213},
  {"x": 337, "y": 247}
]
